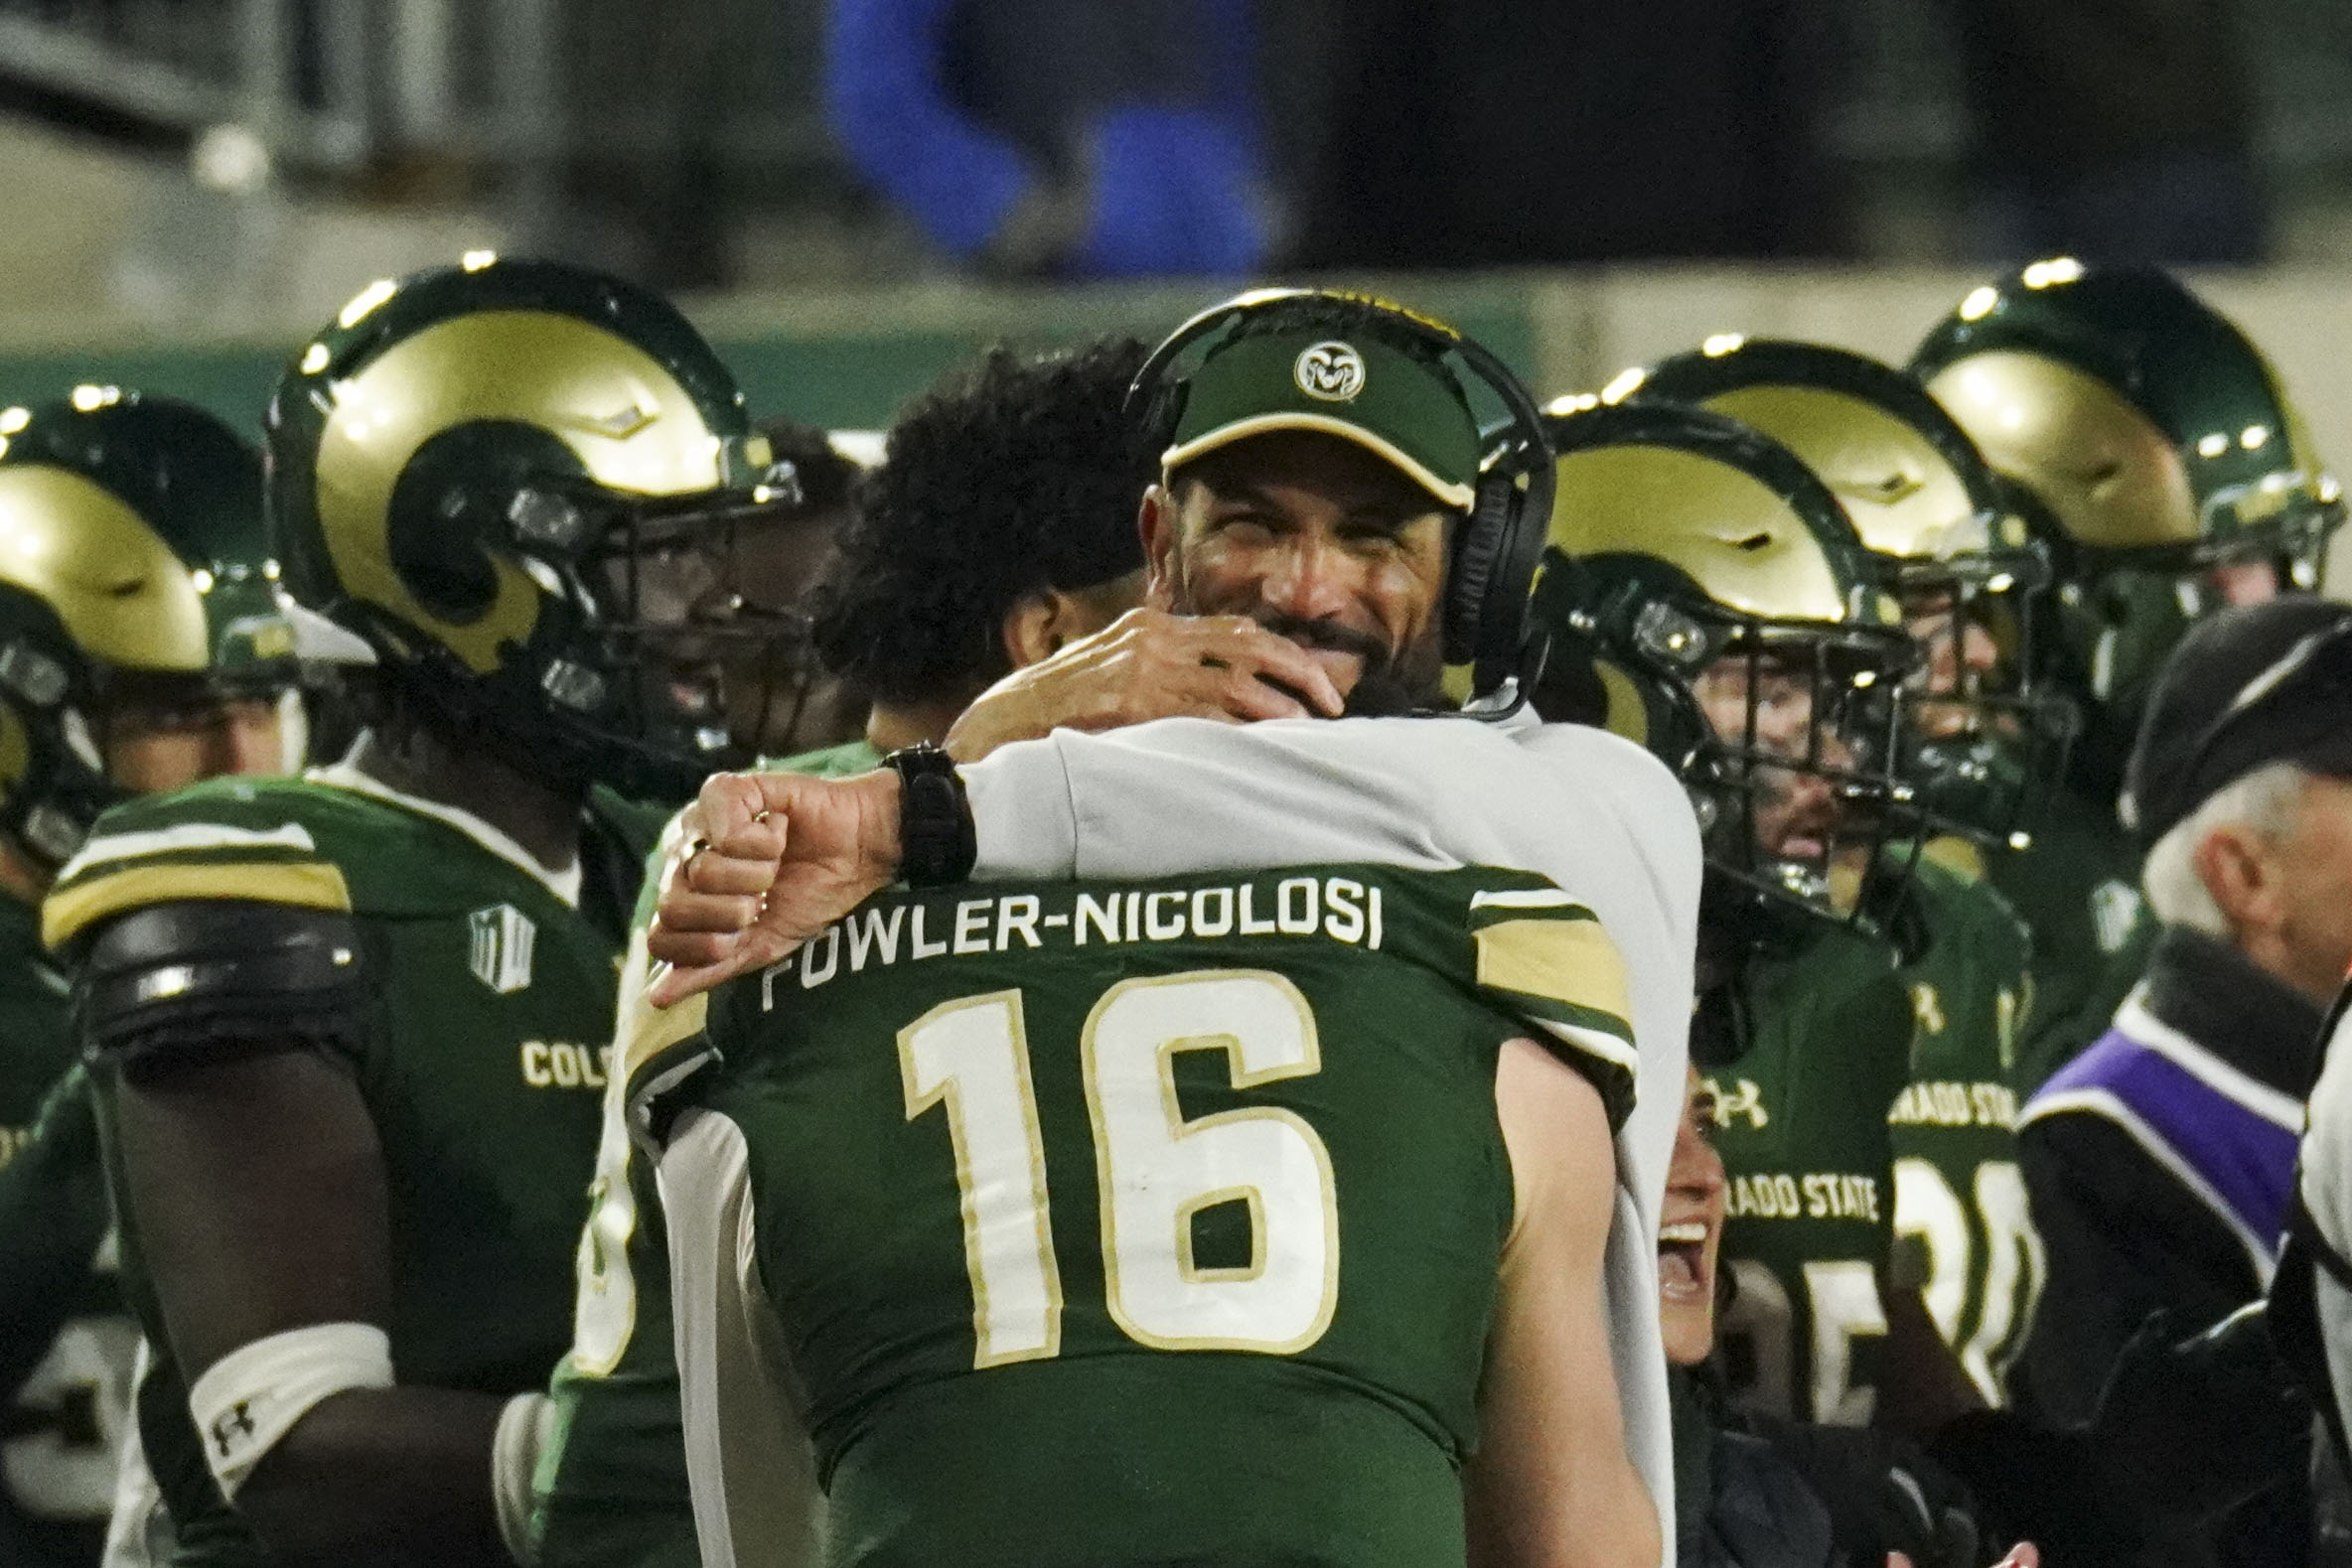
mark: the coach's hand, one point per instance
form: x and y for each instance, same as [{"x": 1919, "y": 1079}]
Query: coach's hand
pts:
[
  {"x": 761, "y": 863},
  {"x": 1150, "y": 664}
]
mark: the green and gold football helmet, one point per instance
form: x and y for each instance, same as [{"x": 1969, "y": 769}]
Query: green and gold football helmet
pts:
[
  {"x": 1967, "y": 565},
  {"x": 133, "y": 574},
  {"x": 2156, "y": 450},
  {"x": 1707, "y": 597},
  {"x": 519, "y": 482}
]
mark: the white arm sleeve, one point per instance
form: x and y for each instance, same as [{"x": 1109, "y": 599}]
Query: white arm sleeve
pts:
[
  {"x": 2325, "y": 1180},
  {"x": 1598, "y": 816},
  {"x": 749, "y": 1463}
]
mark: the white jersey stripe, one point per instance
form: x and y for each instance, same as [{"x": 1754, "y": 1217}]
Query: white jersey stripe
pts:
[
  {"x": 184, "y": 836},
  {"x": 2144, "y": 1028},
  {"x": 1523, "y": 899}
]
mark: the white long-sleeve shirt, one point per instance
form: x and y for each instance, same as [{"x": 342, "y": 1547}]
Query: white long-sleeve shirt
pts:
[{"x": 1598, "y": 817}]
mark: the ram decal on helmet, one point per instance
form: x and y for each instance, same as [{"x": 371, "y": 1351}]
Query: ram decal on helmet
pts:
[
  {"x": 478, "y": 468},
  {"x": 2156, "y": 449}
]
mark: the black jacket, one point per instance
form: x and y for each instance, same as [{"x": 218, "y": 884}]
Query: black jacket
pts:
[{"x": 2159, "y": 1164}]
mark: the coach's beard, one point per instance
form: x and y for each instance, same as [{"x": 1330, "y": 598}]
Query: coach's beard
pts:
[{"x": 1388, "y": 682}]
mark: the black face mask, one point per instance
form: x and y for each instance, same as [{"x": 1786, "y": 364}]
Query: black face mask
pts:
[{"x": 660, "y": 601}]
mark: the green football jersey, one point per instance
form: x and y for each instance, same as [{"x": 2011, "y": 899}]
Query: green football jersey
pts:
[
  {"x": 610, "y": 1490},
  {"x": 491, "y": 1006},
  {"x": 66, "y": 1342},
  {"x": 1964, "y": 1234},
  {"x": 1816, "y": 1038},
  {"x": 844, "y": 761},
  {"x": 2077, "y": 888},
  {"x": 1153, "y": 1221}
]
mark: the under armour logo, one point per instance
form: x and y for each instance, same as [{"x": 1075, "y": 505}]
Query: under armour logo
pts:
[
  {"x": 1748, "y": 1101},
  {"x": 229, "y": 1428}
]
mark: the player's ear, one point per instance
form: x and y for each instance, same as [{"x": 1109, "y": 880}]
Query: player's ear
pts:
[
  {"x": 1036, "y": 627},
  {"x": 2236, "y": 869},
  {"x": 1159, "y": 522},
  {"x": 1042, "y": 623}
]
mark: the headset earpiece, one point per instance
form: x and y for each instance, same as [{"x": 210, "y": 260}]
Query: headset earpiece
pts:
[
  {"x": 1491, "y": 573},
  {"x": 1471, "y": 565}
]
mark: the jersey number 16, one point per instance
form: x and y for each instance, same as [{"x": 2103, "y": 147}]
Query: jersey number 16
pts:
[{"x": 1157, "y": 1169}]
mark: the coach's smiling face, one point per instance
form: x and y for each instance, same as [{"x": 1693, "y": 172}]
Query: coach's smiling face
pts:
[{"x": 1315, "y": 538}]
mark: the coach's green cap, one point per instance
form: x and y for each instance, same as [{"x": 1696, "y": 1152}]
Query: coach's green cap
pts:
[{"x": 1349, "y": 385}]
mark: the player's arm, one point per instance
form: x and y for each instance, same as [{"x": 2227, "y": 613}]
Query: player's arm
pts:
[
  {"x": 1552, "y": 1482},
  {"x": 747, "y": 1459},
  {"x": 221, "y": 1032},
  {"x": 1149, "y": 665},
  {"x": 763, "y": 861}
]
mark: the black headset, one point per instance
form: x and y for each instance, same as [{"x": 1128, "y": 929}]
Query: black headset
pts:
[{"x": 1492, "y": 558}]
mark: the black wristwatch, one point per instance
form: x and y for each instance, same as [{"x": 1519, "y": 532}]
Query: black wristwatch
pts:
[{"x": 937, "y": 843}]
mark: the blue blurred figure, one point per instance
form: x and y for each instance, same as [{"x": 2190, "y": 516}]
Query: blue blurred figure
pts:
[{"x": 1061, "y": 138}]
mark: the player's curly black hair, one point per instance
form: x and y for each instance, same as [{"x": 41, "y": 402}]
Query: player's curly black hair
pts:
[{"x": 1014, "y": 475}]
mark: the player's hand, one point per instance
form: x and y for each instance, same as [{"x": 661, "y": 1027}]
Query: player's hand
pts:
[
  {"x": 1149, "y": 665},
  {"x": 2022, "y": 1555},
  {"x": 764, "y": 862}
]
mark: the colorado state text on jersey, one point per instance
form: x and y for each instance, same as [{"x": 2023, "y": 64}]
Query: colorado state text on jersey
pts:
[
  {"x": 1955, "y": 1106},
  {"x": 1812, "y": 1195}
]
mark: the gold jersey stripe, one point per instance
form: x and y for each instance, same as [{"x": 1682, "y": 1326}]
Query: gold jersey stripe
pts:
[
  {"x": 1957, "y": 855},
  {"x": 312, "y": 884},
  {"x": 642, "y": 1030},
  {"x": 1569, "y": 961}
]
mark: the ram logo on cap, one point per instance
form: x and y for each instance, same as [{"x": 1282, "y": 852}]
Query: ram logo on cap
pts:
[{"x": 1332, "y": 371}]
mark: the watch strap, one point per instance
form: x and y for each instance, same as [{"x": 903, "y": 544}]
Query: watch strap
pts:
[{"x": 938, "y": 841}]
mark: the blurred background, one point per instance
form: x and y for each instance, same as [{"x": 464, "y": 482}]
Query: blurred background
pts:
[{"x": 849, "y": 194}]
